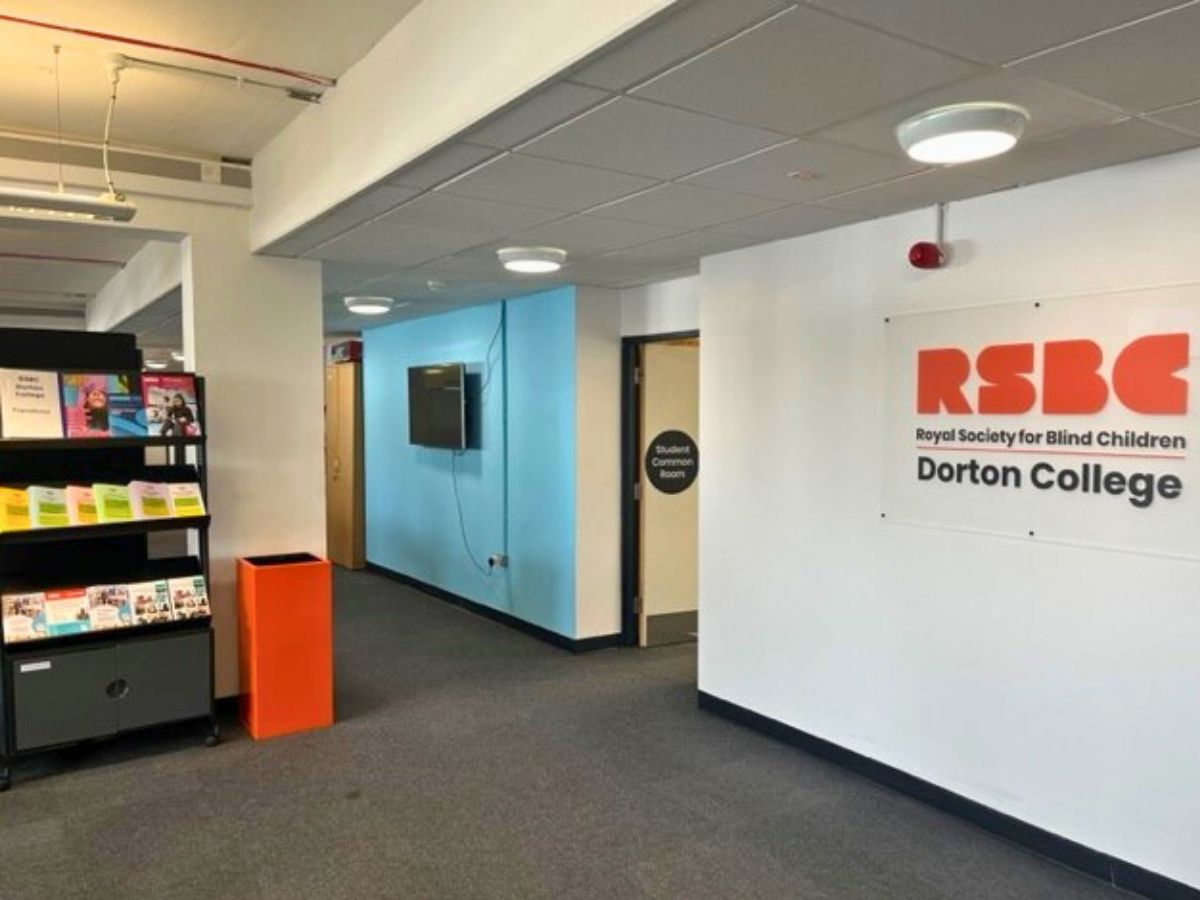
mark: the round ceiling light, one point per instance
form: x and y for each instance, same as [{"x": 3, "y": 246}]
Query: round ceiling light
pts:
[
  {"x": 532, "y": 260},
  {"x": 962, "y": 133},
  {"x": 177, "y": 355},
  {"x": 370, "y": 306},
  {"x": 155, "y": 364}
]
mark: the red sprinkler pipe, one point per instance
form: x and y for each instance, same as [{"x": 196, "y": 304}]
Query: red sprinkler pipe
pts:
[{"x": 321, "y": 80}]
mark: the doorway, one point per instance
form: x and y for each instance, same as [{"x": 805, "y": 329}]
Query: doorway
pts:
[{"x": 660, "y": 466}]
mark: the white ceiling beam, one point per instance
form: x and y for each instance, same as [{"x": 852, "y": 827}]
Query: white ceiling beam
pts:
[{"x": 439, "y": 71}]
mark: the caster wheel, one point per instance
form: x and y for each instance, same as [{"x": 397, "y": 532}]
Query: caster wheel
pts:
[
  {"x": 5, "y": 782},
  {"x": 213, "y": 737}
]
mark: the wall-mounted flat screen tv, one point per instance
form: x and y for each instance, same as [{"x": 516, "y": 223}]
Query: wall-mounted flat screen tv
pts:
[{"x": 437, "y": 406}]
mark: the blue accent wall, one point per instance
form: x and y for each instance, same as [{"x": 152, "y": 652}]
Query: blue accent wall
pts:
[
  {"x": 541, "y": 458},
  {"x": 517, "y": 491}
]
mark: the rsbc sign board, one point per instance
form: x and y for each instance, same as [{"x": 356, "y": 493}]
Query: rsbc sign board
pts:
[{"x": 1066, "y": 420}]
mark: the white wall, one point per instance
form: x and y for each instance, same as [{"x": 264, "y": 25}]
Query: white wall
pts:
[
  {"x": 1057, "y": 684},
  {"x": 598, "y": 462},
  {"x": 663, "y": 307}
]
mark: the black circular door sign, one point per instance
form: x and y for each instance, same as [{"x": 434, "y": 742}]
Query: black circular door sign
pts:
[{"x": 672, "y": 461}]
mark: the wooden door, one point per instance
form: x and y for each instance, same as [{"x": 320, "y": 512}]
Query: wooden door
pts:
[
  {"x": 345, "y": 532},
  {"x": 669, "y": 435}
]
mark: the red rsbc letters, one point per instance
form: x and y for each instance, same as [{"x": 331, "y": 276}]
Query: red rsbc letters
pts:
[{"x": 1144, "y": 378}]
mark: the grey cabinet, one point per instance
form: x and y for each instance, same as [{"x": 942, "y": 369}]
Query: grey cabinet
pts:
[
  {"x": 104, "y": 688},
  {"x": 163, "y": 680},
  {"x": 62, "y": 697}
]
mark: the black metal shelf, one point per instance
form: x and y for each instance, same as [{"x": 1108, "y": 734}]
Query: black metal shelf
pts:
[
  {"x": 106, "y": 530},
  {"x": 170, "y": 663},
  {"x": 103, "y": 443},
  {"x": 106, "y": 570}
]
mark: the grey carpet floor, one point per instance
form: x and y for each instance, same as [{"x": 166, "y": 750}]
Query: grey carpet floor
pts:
[{"x": 472, "y": 761}]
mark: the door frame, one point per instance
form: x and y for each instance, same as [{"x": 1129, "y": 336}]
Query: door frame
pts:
[{"x": 631, "y": 475}]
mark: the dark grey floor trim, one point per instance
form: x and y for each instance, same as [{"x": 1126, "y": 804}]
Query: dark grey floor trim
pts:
[
  {"x": 575, "y": 645},
  {"x": 1107, "y": 868}
]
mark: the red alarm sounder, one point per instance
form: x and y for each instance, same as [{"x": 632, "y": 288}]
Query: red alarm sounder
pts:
[{"x": 926, "y": 255}]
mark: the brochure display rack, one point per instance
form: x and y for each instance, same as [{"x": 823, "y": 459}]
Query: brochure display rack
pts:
[{"x": 147, "y": 658}]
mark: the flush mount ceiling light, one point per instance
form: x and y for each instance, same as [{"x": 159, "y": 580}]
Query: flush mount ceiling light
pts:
[
  {"x": 177, "y": 355},
  {"x": 962, "y": 133},
  {"x": 370, "y": 306},
  {"x": 155, "y": 364},
  {"x": 532, "y": 260}
]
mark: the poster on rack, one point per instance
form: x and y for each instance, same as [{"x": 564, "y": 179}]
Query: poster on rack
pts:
[
  {"x": 170, "y": 405},
  {"x": 1072, "y": 420},
  {"x": 101, "y": 405}
]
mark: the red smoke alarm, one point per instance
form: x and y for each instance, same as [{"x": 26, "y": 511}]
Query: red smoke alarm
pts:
[{"x": 926, "y": 255}]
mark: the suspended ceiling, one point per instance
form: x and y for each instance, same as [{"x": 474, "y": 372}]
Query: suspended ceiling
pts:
[{"x": 725, "y": 124}]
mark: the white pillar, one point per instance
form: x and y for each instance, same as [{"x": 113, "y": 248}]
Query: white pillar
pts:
[{"x": 252, "y": 327}]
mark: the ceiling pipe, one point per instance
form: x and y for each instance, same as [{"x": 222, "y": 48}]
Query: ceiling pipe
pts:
[
  {"x": 322, "y": 81},
  {"x": 136, "y": 62}
]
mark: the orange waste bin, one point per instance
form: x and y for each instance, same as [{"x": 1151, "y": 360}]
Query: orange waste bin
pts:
[{"x": 285, "y": 626}]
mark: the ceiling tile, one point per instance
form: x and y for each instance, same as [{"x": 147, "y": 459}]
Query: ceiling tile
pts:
[
  {"x": 1142, "y": 67},
  {"x": 587, "y": 235},
  {"x": 804, "y": 70},
  {"x": 620, "y": 273},
  {"x": 545, "y": 183},
  {"x": 636, "y": 280},
  {"x": 669, "y": 142},
  {"x": 697, "y": 26},
  {"x": 1186, "y": 117},
  {"x": 463, "y": 269},
  {"x": 682, "y": 206},
  {"x": 1081, "y": 150},
  {"x": 392, "y": 243},
  {"x": 684, "y": 249},
  {"x": 406, "y": 286},
  {"x": 373, "y": 201},
  {"x": 533, "y": 115},
  {"x": 318, "y": 231},
  {"x": 820, "y": 169},
  {"x": 911, "y": 192},
  {"x": 441, "y": 165},
  {"x": 447, "y": 211},
  {"x": 338, "y": 277},
  {"x": 790, "y": 222},
  {"x": 993, "y": 32},
  {"x": 370, "y": 203},
  {"x": 484, "y": 252},
  {"x": 1051, "y": 108}
]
